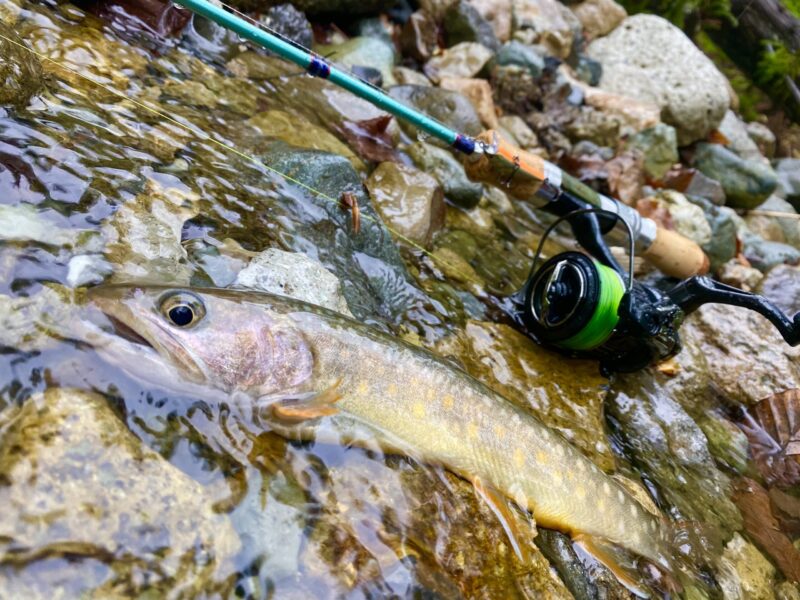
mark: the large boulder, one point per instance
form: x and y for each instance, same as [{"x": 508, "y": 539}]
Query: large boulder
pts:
[{"x": 648, "y": 58}]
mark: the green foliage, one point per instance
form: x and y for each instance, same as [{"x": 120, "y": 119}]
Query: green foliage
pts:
[
  {"x": 793, "y": 6},
  {"x": 776, "y": 63},
  {"x": 678, "y": 11},
  {"x": 752, "y": 101}
]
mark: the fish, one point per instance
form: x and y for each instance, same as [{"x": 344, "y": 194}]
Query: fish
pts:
[{"x": 303, "y": 363}]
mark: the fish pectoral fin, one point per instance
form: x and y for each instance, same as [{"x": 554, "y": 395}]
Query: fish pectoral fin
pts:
[
  {"x": 309, "y": 406},
  {"x": 500, "y": 507},
  {"x": 616, "y": 560}
]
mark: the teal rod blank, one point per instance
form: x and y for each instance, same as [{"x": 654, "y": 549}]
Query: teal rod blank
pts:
[{"x": 316, "y": 66}]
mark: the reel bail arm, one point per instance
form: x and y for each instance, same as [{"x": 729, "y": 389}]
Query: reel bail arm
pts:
[{"x": 691, "y": 294}]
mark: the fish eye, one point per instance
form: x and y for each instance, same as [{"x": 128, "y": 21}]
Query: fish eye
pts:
[{"x": 182, "y": 309}]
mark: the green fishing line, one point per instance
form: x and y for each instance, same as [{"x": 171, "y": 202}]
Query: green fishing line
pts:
[{"x": 605, "y": 317}]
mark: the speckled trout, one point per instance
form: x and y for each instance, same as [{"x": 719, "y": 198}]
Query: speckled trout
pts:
[{"x": 309, "y": 363}]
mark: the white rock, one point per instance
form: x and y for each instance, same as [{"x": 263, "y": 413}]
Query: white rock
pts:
[
  {"x": 649, "y": 59},
  {"x": 498, "y": 14},
  {"x": 295, "y": 275}
]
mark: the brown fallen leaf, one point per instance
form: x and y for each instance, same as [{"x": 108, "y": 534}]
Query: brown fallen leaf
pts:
[
  {"x": 626, "y": 176},
  {"x": 763, "y": 528},
  {"x": 370, "y": 139},
  {"x": 773, "y": 428},
  {"x": 653, "y": 209}
]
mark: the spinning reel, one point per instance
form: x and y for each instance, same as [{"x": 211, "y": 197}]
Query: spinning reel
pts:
[{"x": 590, "y": 307}]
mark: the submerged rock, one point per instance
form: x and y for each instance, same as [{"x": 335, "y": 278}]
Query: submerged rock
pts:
[
  {"x": 78, "y": 483},
  {"x": 144, "y": 235},
  {"x": 20, "y": 70},
  {"x": 374, "y": 278},
  {"x": 663, "y": 441},
  {"x": 23, "y": 223},
  {"x": 298, "y": 131},
  {"x": 409, "y": 201},
  {"x": 746, "y": 183},
  {"x": 294, "y": 275},
  {"x": 35, "y": 322},
  {"x": 744, "y": 572},
  {"x": 649, "y": 59},
  {"x": 448, "y": 171}
]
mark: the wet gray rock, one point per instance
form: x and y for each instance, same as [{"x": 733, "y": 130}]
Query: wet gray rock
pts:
[
  {"x": 409, "y": 201},
  {"x": 326, "y": 7},
  {"x": 588, "y": 70},
  {"x": 728, "y": 338},
  {"x": 688, "y": 219},
  {"x": 773, "y": 227},
  {"x": 764, "y": 254},
  {"x": 763, "y": 137},
  {"x": 649, "y": 59},
  {"x": 78, "y": 483},
  {"x": 665, "y": 442},
  {"x": 295, "y": 275},
  {"x": 659, "y": 145},
  {"x": 746, "y": 183},
  {"x": 522, "y": 55},
  {"x": 788, "y": 173},
  {"x": 722, "y": 220},
  {"x": 451, "y": 108},
  {"x": 739, "y": 141},
  {"x": 702, "y": 186},
  {"x": 290, "y": 23},
  {"x": 448, "y": 172},
  {"x": 463, "y": 23},
  {"x": 363, "y": 52},
  {"x": 20, "y": 71},
  {"x": 781, "y": 285}
]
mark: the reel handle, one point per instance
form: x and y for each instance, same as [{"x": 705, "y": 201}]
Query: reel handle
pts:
[
  {"x": 689, "y": 295},
  {"x": 525, "y": 176}
]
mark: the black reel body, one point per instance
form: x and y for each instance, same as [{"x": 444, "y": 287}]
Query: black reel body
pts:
[{"x": 589, "y": 307}]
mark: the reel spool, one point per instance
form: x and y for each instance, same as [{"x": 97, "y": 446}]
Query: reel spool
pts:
[{"x": 572, "y": 301}]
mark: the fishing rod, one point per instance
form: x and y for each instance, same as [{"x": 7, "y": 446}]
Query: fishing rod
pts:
[
  {"x": 492, "y": 160},
  {"x": 578, "y": 305}
]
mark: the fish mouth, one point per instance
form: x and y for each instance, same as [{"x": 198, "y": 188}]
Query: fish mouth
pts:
[{"x": 127, "y": 333}]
